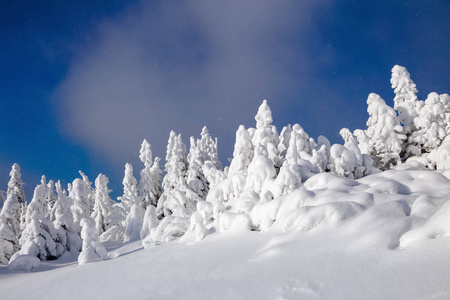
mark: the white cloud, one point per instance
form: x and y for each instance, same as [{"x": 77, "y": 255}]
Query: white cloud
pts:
[{"x": 181, "y": 66}]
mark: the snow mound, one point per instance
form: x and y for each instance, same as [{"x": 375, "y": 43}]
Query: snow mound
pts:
[{"x": 24, "y": 262}]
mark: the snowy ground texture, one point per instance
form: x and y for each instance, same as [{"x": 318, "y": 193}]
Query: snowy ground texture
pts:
[{"x": 385, "y": 236}]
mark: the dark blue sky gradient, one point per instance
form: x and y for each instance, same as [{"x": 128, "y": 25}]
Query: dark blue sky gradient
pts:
[{"x": 324, "y": 59}]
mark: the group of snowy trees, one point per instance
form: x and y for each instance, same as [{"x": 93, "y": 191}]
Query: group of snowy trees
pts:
[{"x": 191, "y": 195}]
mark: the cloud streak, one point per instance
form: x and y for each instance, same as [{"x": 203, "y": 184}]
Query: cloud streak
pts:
[{"x": 180, "y": 66}]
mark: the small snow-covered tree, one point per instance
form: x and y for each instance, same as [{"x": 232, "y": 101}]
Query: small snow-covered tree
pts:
[
  {"x": 150, "y": 221},
  {"x": 261, "y": 174},
  {"x": 52, "y": 198},
  {"x": 385, "y": 133},
  {"x": 266, "y": 133},
  {"x": 89, "y": 191},
  {"x": 81, "y": 201},
  {"x": 405, "y": 101},
  {"x": 431, "y": 124},
  {"x": 15, "y": 186},
  {"x": 9, "y": 228},
  {"x": 243, "y": 152},
  {"x": 155, "y": 181},
  {"x": 134, "y": 223},
  {"x": 92, "y": 249},
  {"x": 201, "y": 151},
  {"x": 130, "y": 191},
  {"x": 40, "y": 238},
  {"x": 102, "y": 203},
  {"x": 177, "y": 198},
  {"x": 64, "y": 219},
  {"x": 148, "y": 188}
]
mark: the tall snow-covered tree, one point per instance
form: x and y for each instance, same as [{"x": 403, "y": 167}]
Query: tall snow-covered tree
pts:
[
  {"x": 101, "y": 204},
  {"x": 9, "y": 228},
  {"x": 15, "y": 186},
  {"x": 385, "y": 133}
]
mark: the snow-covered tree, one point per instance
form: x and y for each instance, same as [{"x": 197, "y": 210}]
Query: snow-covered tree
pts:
[
  {"x": 133, "y": 223},
  {"x": 405, "y": 101},
  {"x": 89, "y": 191},
  {"x": 130, "y": 191},
  {"x": 64, "y": 219},
  {"x": 266, "y": 133},
  {"x": 81, "y": 201},
  {"x": 9, "y": 228},
  {"x": 15, "y": 186},
  {"x": 115, "y": 223},
  {"x": 243, "y": 152},
  {"x": 92, "y": 249},
  {"x": 177, "y": 198},
  {"x": 261, "y": 173},
  {"x": 102, "y": 203},
  {"x": 40, "y": 238},
  {"x": 431, "y": 124},
  {"x": 149, "y": 190},
  {"x": 52, "y": 198},
  {"x": 384, "y": 132},
  {"x": 150, "y": 221},
  {"x": 155, "y": 181}
]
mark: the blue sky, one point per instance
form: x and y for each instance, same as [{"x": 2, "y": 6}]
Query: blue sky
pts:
[{"x": 83, "y": 82}]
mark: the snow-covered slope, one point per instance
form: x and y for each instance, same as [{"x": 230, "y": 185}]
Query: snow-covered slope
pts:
[{"x": 386, "y": 236}]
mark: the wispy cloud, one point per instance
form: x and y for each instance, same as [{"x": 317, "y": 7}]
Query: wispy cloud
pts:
[{"x": 181, "y": 66}]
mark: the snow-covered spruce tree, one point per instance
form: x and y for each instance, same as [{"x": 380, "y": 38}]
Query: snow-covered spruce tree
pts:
[
  {"x": 64, "y": 219},
  {"x": 289, "y": 177},
  {"x": 431, "y": 124},
  {"x": 102, "y": 203},
  {"x": 133, "y": 223},
  {"x": 89, "y": 191},
  {"x": 177, "y": 198},
  {"x": 266, "y": 133},
  {"x": 303, "y": 146},
  {"x": 130, "y": 189},
  {"x": 156, "y": 180},
  {"x": 243, "y": 152},
  {"x": 40, "y": 238},
  {"x": 202, "y": 151},
  {"x": 261, "y": 174},
  {"x": 149, "y": 189},
  {"x": 407, "y": 105},
  {"x": 52, "y": 198},
  {"x": 285, "y": 137},
  {"x": 81, "y": 201},
  {"x": 150, "y": 221},
  {"x": 130, "y": 200},
  {"x": 15, "y": 186},
  {"x": 384, "y": 132},
  {"x": 92, "y": 249},
  {"x": 9, "y": 228},
  {"x": 224, "y": 188},
  {"x": 364, "y": 164}
]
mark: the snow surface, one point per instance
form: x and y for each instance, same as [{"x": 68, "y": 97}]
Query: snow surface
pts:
[{"x": 385, "y": 236}]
